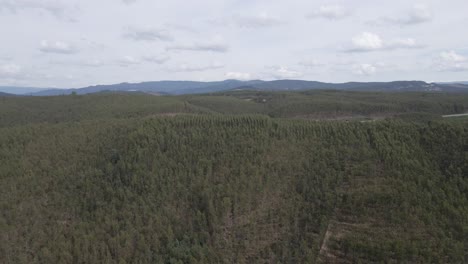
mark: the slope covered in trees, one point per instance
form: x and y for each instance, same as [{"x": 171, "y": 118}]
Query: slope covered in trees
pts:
[
  {"x": 316, "y": 105},
  {"x": 119, "y": 179}
]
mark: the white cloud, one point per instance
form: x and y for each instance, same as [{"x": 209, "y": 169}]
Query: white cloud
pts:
[
  {"x": 281, "y": 72},
  {"x": 126, "y": 61},
  {"x": 79, "y": 63},
  {"x": 59, "y": 47},
  {"x": 261, "y": 21},
  {"x": 332, "y": 12},
  {"x": 419, "y": 14},
  {"x": 10, "y": 71},
  {"x": 451, "y": 61},
  {"x": 129, "y": 1},
  {"x": 93, "y": 63},
  {"x": 311, "y": 63},
  {"x": 56, "y": 8},
  {"x": 243, "y": 76},
  {"x": 147, "y": 34},
  {"x": 216, "y": 45},
  {"x": 368, "y": 41},
  {"x": 196, "y": 68},
  {"x": 6, "y": 57},
  {"x": 158, "y": 59},
  {"x": 364, "y": 69},
  {"x": 407, "y": 43},
  {"x": 452, "y": 56}
]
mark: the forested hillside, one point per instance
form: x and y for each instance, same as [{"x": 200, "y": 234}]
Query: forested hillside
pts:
[
  {"x": 242, "y": 177},
  {"x": 312, "y": 105}
]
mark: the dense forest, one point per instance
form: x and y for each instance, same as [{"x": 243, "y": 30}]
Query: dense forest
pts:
[
  {"x": 234, "y": 177},
  {"x": 311, "y": 105}
]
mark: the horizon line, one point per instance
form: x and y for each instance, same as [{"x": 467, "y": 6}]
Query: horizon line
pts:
[{"x": 224, "y": 80}]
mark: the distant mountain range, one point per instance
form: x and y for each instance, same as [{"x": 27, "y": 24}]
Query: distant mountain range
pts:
[
  {"x": 191, "y": 87},
  {"x": 21, "y": 90},
  {"x": 453, "y": 83}
]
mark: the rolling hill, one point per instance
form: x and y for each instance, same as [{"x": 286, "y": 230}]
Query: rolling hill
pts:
[
  {"x": 234, "y": 177},
  {"x": 311, "y": 105}
]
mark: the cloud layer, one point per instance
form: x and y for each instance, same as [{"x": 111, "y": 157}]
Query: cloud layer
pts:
[
  {"x": 9, "y": 70},
  {"x": 261, "y": 21},
  {"x": 147, "y": 34},
  {"x": 47, "y": 42},
  {"x": 201, "y": 46},
  {"x": 332, "y": 12},
  {"x": 418, "y": 14}
]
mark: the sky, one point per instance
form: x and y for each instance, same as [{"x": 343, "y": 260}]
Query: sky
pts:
[{"x": 77, "y": 43}]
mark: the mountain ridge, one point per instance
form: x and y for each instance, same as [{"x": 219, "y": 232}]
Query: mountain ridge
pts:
[
  {"x": 197, "y": 87},
  {"x": 21, "y": 90}
]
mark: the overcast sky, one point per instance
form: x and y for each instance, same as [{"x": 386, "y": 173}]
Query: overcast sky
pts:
[{"x": 76, "y": 43}]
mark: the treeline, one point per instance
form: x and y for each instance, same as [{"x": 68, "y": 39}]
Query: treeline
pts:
[{"x": 233, "y": 189}]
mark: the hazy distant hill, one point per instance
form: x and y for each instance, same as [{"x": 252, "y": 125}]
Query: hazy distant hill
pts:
[
  {"x": 465, "y": 83},
  {"x": 406, "y": 86},
  {"x": 191, "y": 87},
  {"x": 20, "y": 90},
  {"x": 171, "y": 87}
]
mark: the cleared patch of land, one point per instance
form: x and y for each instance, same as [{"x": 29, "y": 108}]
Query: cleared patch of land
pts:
[{"x": 455, "y": 115}]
